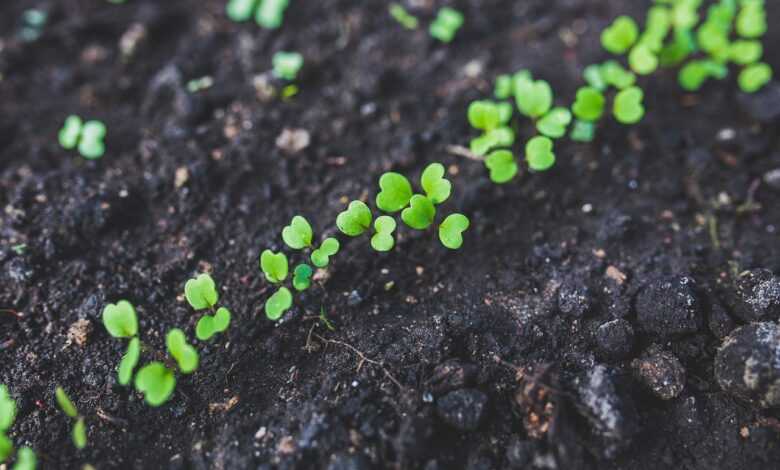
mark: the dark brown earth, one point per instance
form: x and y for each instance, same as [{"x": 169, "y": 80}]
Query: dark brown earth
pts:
[{"x": 577, "y": 328}]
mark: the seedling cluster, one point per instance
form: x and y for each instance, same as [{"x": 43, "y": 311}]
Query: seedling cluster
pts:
[
  {"x": 25, "y": 457},
  {"x": 87, "y": 137},
  {"x": 443, "y": 28},
  {"x": 79, "y": 431},
  {"x": 267, "y": 13}
]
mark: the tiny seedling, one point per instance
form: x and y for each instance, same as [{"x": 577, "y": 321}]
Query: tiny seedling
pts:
[
  {"x": 201, "y": 292},
  {"x": 693, "y": 75},
  {"x": 492, "y": 119},
  {"x": 383, "y": 238},
  {"x": 396, "y": 191},
  {"x": 186, "y": 356},
  {"x": 751, "y": 21},
  {"x": 25, "y": 459},
  {"x": 278, "y": 303},
  {"x": 554, "y": 123},
  {"x": 302, "y": 277},
  {"x": 420, "y": 213},
  {"x": 746, "y": 52},
  {"x": 34, "y": 21},
  {"x": 643, "y": 60},
  {"x": 620, "y": 35},
  {"x": 355, "y": 220},
  {"x": 539, "y": 153},
  {"x": 534, "y": 98},
  {"x": 502, "y": 166},
  {"x": 298, "y": 235},
  {"x": 275, "y": 266},
  {"x": 79, "y": 430},
  {"x": 121, "y": 321},
  {"x": 447, "y": 23},
  {"x": 210, "y": 325},
  {"x": 156, "y": 382},
  {"x": 435, "y": 185},
  {"x": 616, "y": 75},
  {"x": 754, "y": 77},
  {"x": 451, "y": 230},
  {"x": 286, "y": 65},
  {"x": 321, "y": 256},
  {"x": 129, "y": 361},
  {"x": 86, "y": 136},
  {"x": 403, "y": 17},
  {"x": 267, "y": 13},
  {"x": 589, "y": 104},
  {"x": 628, "y": 108}
]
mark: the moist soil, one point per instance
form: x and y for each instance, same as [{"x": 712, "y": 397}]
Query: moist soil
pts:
[{"x": 577, "y": 328}]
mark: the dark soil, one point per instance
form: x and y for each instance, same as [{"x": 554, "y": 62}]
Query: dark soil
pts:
[{"x": 578, "y": 327}]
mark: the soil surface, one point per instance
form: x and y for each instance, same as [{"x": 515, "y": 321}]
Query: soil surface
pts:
[{"x": 578, "y": 328}]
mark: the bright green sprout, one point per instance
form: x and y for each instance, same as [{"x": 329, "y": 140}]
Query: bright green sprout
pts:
[
  {"x": 298, "y": 234},
  {"x": 620, "y": 35},
  {"x": 270, "y": 13},
  {"x": 714, "y": 41},
  {"x": 589, "y": 104},
  {"x": 240, "y": 10},
  {"x": 65, "y": 404},
  {"x": 79, "y": 434},
  {"x": 25, "y": 459},
  {"x": 451, "y": 230},
  {"x": 156, "y": 382},
  {"x": 751, "y": 21},
  {"x": 302, "y": 277},
  {"x": 186, "y": 355},
  {"x": 554, "y": 123},
  {"x": 504, "y": 87},
  {"x": 754, "y": 77},
  {"x": 539, "y": 153},
  {"x": 201, "y": 292},
  {"x": 674, "y": 53},
  {"x": 287, "y": 65},
  {"x": 7, "y": 410},
  {"x": 502, "y": 166},
  {"x": 275, "y": 266},
  {"x": 616, "y": 75},
  {"x": 87, "y": 136},
  {"x": 594, "y": 77},
  {"x": 628, "y": 108},
  {"x": 210, "y": 325},
  {"x": 383, "y": 238},
  {"x": 6, "y": 447},
  {"x": 420, "y": 213},
  {"x": 533, "y": 98},
  {"x": 583, "y": 131},
  {"x": 685, "y": 14},
  {"x": 693, "y": 75},
  {"x": 129, "y": 361},
  {"x": 199, "y": 84},
  {"x": 355, "y": 220},
  {"x": 79, "y": 431},
  {"x": 396, "y": 191},
  {"x": 643, "y": 60},
  {"x": 435, "y": 185},
  {"x": 657, "y": 27},
  {"x": 321, "y": 256},
  {"x": 492, "y": 118},
  {"x": 289, "y": 91},
  {"x": 278, "y": 303},
  {"x": 399, "y": 13},
  {"x": 447, "y": 23},
  {"x": 120, "y": 319},
  {"x": 745, "y": 52}
]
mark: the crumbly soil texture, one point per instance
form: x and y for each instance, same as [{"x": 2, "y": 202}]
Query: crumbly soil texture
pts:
[{"x": 578, "y": 328}]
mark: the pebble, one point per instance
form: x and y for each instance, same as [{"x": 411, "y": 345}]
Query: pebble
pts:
[
  {"x": 755, "y": 296},
  {"x": 661, "y": 372},
  {"x": 574, "y": 298},
  {"x": 463, "y": 409},
  {"x": 451, "y": 375},
  {"x": 615, "y": 339},
  {"x": 349, "y": 462},
  {"x": 747, "y": 366},
  {"x": 669, "y": 306}
]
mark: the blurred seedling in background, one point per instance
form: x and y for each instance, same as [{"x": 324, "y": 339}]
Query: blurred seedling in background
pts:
[
  {"x": 403, "y": 17},
  {"x": 286, "y": 65},
  {"x": 267, "y": 13},
  {"x": 79, "y": 430},
  {"x": 446, "y": 25},
  {"x": 201, "y": 293},
  {"x": 33, "y": 23},
  {"x": 86, "y": 136}
]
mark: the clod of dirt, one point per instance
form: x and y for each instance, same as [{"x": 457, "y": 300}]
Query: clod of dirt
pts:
[
  {"x": 746, "y": 364},
  {"x": 349, "y": 462},
  {"x": 78, "y": 332},
  {"x": 763, "y": 106},
  {"x": 720, "y": 323},
  {"x": 772, "y": 178},
  {"x": 452, "y": 375},
  {"x": 520, "y": 453},
  {"x": 463, "y": 409},
  {"x": 292, "y": 141},
  {"x": 669, "y": 306},
  {"x": 755, "y": 296},
  {"x": 661, "y": 372},
  {"x": 574, "y": 298},
  {"x": 615, "y": 339}
]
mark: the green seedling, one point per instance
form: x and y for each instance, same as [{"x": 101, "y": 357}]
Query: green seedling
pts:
[
  {"x": 554, "y": 123},
  {"x": 120, "y": 319},
  {"x": 451, "y": 230},
  {"x": 275, "y": 266},
  {"x": 628, "y": 108},
  {"x": 420, "y": 213},
  {"x": 65, "y": 403},
  {"x": 201, "y": 292},
  {"x": 657, "y": 27},
  {"x": 447, "y": 23},
  {"x": 79, "y": 430},
  {"x": 674, "y": 53},
  {"x": 267, "y": 13},
  {"x": 210, "y": 325},
  {"x": 396, "y": 191},
  {"x": 278, "y": 303},
  {"x": 7, "y": 410},
  {"x": 435, "y": 185},
  {"x": 355, "y": 220},
  {"x": 502, "y": 166},
  {"x": 129, "y": 361},
  {"x": 87, "y": 136},
  {"x": 594, "y": 77},
  {"x": 302, "y": 277},
  {"x": 539, "y": 153},
  {"x": 240, "y": 10},
  {"x": 534, "y": 98},
  {"x": 754, "y": 77},
  {"x": 751, "y": 21},
  {"x": 616, "y": 75},
  {"x": 403, "y": 17},
  {"x": 589, "y": 104},
  {"x": 321, "y": 256},
  {"x": 504, "y": 87},
  {"x": 298, "y": 234},
  {"x": 492, "y": 119},
  {"x": 25, "y": 459},
  {"x": 693, "y": 75},
  {"x": 286, "y": 65},
  {"x": 79, "y": 434},
  {"x": 186, "y": 356},
  {"x": 643, "y": 60},
  {"x": 745, "y": 52},
  {"x": 620, "y": 35},
  {"x": 583, "y": 131},
  {"x": 156, "y": 382},
  {"x": 383, "y": 238}
]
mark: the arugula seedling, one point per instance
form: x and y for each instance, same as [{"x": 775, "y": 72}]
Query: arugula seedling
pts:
[
  {"x": 447, "y": 23},
  {"x": 321, "y": 256},
  {"x": 298, "y": 235},
  {"x": 504, "y": 87},
  {"x": 270, "y": 13},
  {"x": 278, "y": 303},
  {"x": 275, "y": 266},
  {"x": 754, "y": 77},
  {"x": 616, "y": 75},
  {"x": 210, "y": 325},
  {"x": 589, "y": 104},
  {"x": 435, "y": 185},
  {"x": 79, "y": 430},
  {"x": 745, "y": 52},
  {"x": 383, "y": 238},
  {"x": 594, "y": 77},
  {"x": 121, "y": 321},
  {"x": 628, "y": 108},
  {"x": 129, "y": 361},
  {"x": 420, "y": 213},
  {"x": 156, "y": 382},
  {"x": 287, "y": 65},
  {"x": 186, "y": 356},
  {"x": 534, "y": 98},
  {"x": 25, "y": 459},
  {"x": 643, "y": 60},
  {"x": 554, "y": 123},
  {"x": 492, "y": 119},
  {"x": 751, "y": 21},
  {"x": 502, "y": 166},
  {"x": 693, "y": 75},
  {"x": 201, "y": 293},
  {"x": 451, "y": 230},
  {"x": 620, "y": 35},
  {"x": 403, "y": 17},
  {"x": 539, "y": 153},
  {"x": 302, "y": 277},
  {"x": 396, "y": 191},
  {"x": 355, "y": 220},
  {"x": 86, "y": 136},
  {"x": 583, "y": 131}
]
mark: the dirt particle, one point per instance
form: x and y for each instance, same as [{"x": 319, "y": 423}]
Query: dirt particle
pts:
[
  {"x": 616, "y": 275},
  {"x": 463, "y": 409},
  {"x": 746, "y": 365},
  {"x": 286, "y": 445},
  {"x": 615, "y": 339},
  {"x": 661, "y": 372},
  {"x": 78, "y": 332},
  {"x": 669, "y": 306},
  {"x": 181, "y": 177},
  {"x": 293, "y": 141}
]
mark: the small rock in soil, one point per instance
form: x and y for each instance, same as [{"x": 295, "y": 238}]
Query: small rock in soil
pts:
[
  {"x": 755, "y": 296},
  {"x": 574, "y": 298},
  {"x": 519, "y": 453},
  {"x": 746, "y": 364},
  {"x": 452, "y": 375},
  {"x": 463, "y": 409},
  {"x": 661, "y": 372},
  {"x": 763, "y": 106},
  {"x": 615, "y": 226},
  {"x": 720, "y": 323},
  {"x": 349, "y": 462},
  {"x": 772, "y": 178},
  {"x": 615, "y": 339},
  {"x": 669, "y": 306},
  {"x": 292, "y": 141},
  {"x": 414, "y": 436}
]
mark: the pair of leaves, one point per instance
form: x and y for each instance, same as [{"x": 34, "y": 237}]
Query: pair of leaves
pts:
[
  {"x": 321, "y": 256},
  {"x": 355, "y": 220},
  {"x": 383, "y": 238},
  {"x": 754, "y": 77},
  {"x": 186, "y": 356},
  {"x": 302, "y": 277},
  {"x": 156, "y": 382},
  {"x": 120, "y": 319},
  {"x": 620, "y": 35},
  {"x": 275, "y": 266},
  {"x": 539, "y": 156},
  {"x": 79, "y": 431},
  {"x": 610, "y": 73},
  {"x": 693, "y": 75},
  {"x": 628, "y": 107},
  {"x": 534, "y": 98},
  {"x": 210, "y": 325},
  {"x": 492, "y": 118},
  {"x": 278, "y": 303},
  {"x": 286, "y": 65},
  {"x": 267, "y": 13},
  {"x": 447, "y": 23},
  {"x": 201, "y": 292},
  {"x": 87, "y": 136},
  {"x": 589, "y": 104},
  {"x": 299, "y": 234}
]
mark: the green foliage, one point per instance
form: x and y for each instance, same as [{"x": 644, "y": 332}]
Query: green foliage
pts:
[
  {"x": 210, "y": 325},
  {"x": 275, "y": 266},
  {"x": 355, "y": 220},
  {"x": 120, "y": 319},
  {"x": 751, "y": 21},
  {"x": 620, "y": 35},
  {"x": 64, "y": 402},
  {"x": 504, "y": 87},
  {"x": 492, "y": 119},
  {"x": 502, "y": 166},
  {"x": 533, "y": 98},
  {"x": 240, "y": 10},
  {"x": 693, "y": 75},
  {"x": 87, "y": 136},
  {"x": 286, "y": 65},
  {"x": 201, "y": 292},
  {"x": 6, "y": 447},
  {"x": 298, "y": 234},
  {"x": 7, "y": 410},
  {"x": 554, "y": 123},
  {"x": 539, "y": 153},
  {"x": 302, "y": 277},
  {"x": 435, "y": 185},
  {"x": 754, "y": 77},
  {"x": 674, "y": 53},
  {"x": 396, "y": 191},
  {"x": 270, "y": 13},
  {"x": 156, "y": 382},
  {"x": 321, "y": 256},
  {"x": 643, "y": 60},
  {"x": 589, "y": 105},
  {"x": 594, "y": 77},
  {"x": 129, "y": 361},
  {"x": 79, "y": 434},
  {"x": 420, "y": 213},
  {"x": 186, "y": 356},
  {"x": 583, "y": 131},
  {"x": 745, "y": 52},
  {"x": 25, "y": 459},
  {"x": 451, "y": 230},
  {"x": 399, "y": 13},
  {"x": 616, "y": 75},
  {"x": 447, "y": 23},
  {"x": 278, "y": 303},
  {"x": 383, "y": 238},
  {"x": 628, "y": 108}
]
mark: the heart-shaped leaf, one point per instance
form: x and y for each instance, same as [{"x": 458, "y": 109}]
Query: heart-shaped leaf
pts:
[
  {"x": 278, "y": 303},
  {"x": 481, "y": 145},
  {"x": 754, "y": 77},
  {"x": 395, "y": 194},
  {"x": 420, "y": 213},
  {"x": 240, "y": 10},
  {"x": 270, "y": 13},
  {"x": 539, "y": 154},
  {"x": 642, "y": 60},
  {"x": 589, "y": 105},
  {"x": 355, "y": 220},
  {"x": 286, "y": 65},
  {"x": 186, "y": 355},
  {"x": 321, "y": 256},
  {"x": 534, "y": 98},
  {"x": 7, "y": 409},
  {"x": 628, "y": 108},
  {"x": 383, "y": 238},
  {"x": 210, "y": 325},
  {"x": 120, "y": 319},
  {"x": 484, "y": 115},
  {"x": 592, "y": 74},
  {"x": 436, "y": 187},
  {"x": 201, "y": 292},
  {"x": 620, "y": 35},
  {"x": 25, "y": 458},
  {"x": 616, "y": 75},
  {"x": 156, "y": 382},
  {"x": 583, "y": 131},
  {"x": 274, "y": 265},
  {"x": 554, "y": 123},
  {"x": 91, "y": 145},
  {"x": 298, "y": 234},
  {"x": 451, "y": 230},
  {"x": 70, "y": 132},
  {"x": 129, "y": 361},
  {"x": 502, "y": 166},
  {"x": 79, "y": 434},
  {"x": 64, "y": 402},
  {"x": 302, "y": 277}
]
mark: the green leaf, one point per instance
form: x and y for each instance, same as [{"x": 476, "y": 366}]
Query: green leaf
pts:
[
  {"x": 355, "y": 220},
  {"x": 693, "y": 75},
  {"x": 446, "y": 24},
  {"x": 210, "y": 325},
  {"x": 120, "y": 319},
  {"x": 399, "y": 13},
  {"x": 583, "y": 131},
  {"x": 240, "y": 10},
  {"x": 395, "y": 192},
  {"x": 321, "y": 256},
  {"x": 503, "y": 89},
  {"x": 186, "y": 355},
  {"x": 533, "y": 98},
  {"x": 628, "y": 108},
  {"x": 620, "y": 35},
  {"x": 298, "y": 234},
  {"x": 502, "y": 166},
  {"x": 589, "y": 105},
  {"x": 539, "y": 153},
  {"x": 25, "y": 459},
  {"x": 554, "y": 123},
  {"x": 201, "y": 292},
  {"x": 678, "y": 50},
  {"x": 286, "y": 65},
  {"x": 754, "y": 77},
  {"x": 70, "y": 132},
  {"x": 6, "y": 447},
  {"x": 274, "y": 265},
  {"x": 129, "y": 361},
  {"x": 7, "y": 410},
  {"x": 302, "y": 277},
  {"x": 64, "y": 402},
  {"x": 420, "y": 213},
  {"x": 436, "y": 187},
  {"x": 278, "y": 303},
  {"x": 616, "y": 75},
  {"x": 751, "y": 21},
  {"x": 383, "y": 238},
  {"x": 746, "y": 52},
  {"x": 484, "y": 115},
  {"x": 594, "y": 77},
  {"x": 156, "y": 382},
  {"x": 642, "y": 60},
  {"x": 270, "y": 13},
  {"x": 91, "y": 144},
  {"x": 451, "y": 230},
  {"x": 79, "y": 434}
]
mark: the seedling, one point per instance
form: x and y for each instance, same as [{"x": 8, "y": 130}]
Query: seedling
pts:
[
  {"x": 533, "y": 98},
  {"x": 751, "y": 21},
  {"x": 754, "y": 77},
  {"x": 420, "y": 213},
  {"x": 616, "y": 75},
  {"x": 643, "y": 60},
  {"x": 275, "y": 266},
  {"x": 693, "y": 75},
  {"x": 451, "y": 230},
  {"x": 7, "y": 417},
  {"x": 210, "y": 325},
  {"x": 491, "y": 118},
  {"x": 278, "y": 303},
  {"x": 620, "y": 36},
  {"x": 399, "y": 13},
  {"x": 502, "y": 166},
  {"x": 121, "y": 321},
  {"x": 583, "y": 131},
  {"x": 539, "y": 153},
  {"x": 383, "y": 238},
  {"x": 201, "y": 292},
  {"x": 25, "y": 459},
  {"x": 87, "y": 136},
  {"x": 302, "y": 277},
  {"x": 287, "y": 65},
  {"x": 186, "y": 356},
  {"x": 321, "y": 256},
  {"x": 436, "y": 187},
  {"x": 745, "y": 52},
  {"x": 156, "y": 382},
  {"x": 589, "y": 105},
  {"x": 554, "y": 123},
  {"x": 628, "y": 108},
  {"x": 129, "y": 361},
  {"x": 267, "y": 13},
  {"x": 79, "y": 430},
  {"x": 355, "y": 220},
  {"x": 447, "y": 23},
  {"x": 298, "y": 234}
]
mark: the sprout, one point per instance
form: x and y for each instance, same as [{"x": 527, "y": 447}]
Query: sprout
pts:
[
  {"x": 620, "y": 36},
  {"x": 298, "y": 234},
  {"x": 7, "y": 411},
  {"x": 399, "y": 13},
  {"x": 420, "y": 213},
  {"x": 240, "y": 10},
  {"x": 129, "y": 361},
  {"x": 186, "y": 356},
  {"x": 745, "y": 52},
  {"x": 87, "y": 136},
  {"x": 693, "y": 75},
  {"x": 156, "y": 382},
  {"x": 396, "y": 191},
  {"x": 25, "y": 459},
  {"x": 287, "y": 65},
  {"x": 593, "y": 75},
  {"x": 616, "y": 75},
  {"x": 642, "y": 60},
  {"x": 589, "y": 105},
  {"x": 210, "y": 325},
  {"x": 674, "y": 53},
  {"x": 435, "y": 185},
  {"x": 267, "y": 13},
  {"x": 539, "y": 154},
  {"x": 447, "y": 23},
  {"x": 302, "y": 277},
  {"x": 79, "y": 431},
  {"x": 321, "y": 256},
  {"x": 274, "y": 265},
  {"x": 201, "y": 292},
  {"x": 583, "y": 131},
  {"x": 533, "y": 98},
  {"x": 554, "y": 123},
  {"x": 383, "y": 238},
  {"x": 120, "y": 319},
  {"x": 502, "y": 166},
  {"x": 492, "y": 119},
  {"x": 64, "y": 402},
  {"x": 751, "y": 21},
  {"x": 355, "y": 220},
  {"x": 451, "y": 230},
  {"x": 504, "y": 85},
  {"x": 278, "y": 303},
  {"x": 628, "y": 108},
  {"x": 754, "y": 77},
  {"x": 79, "y": 434}
]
